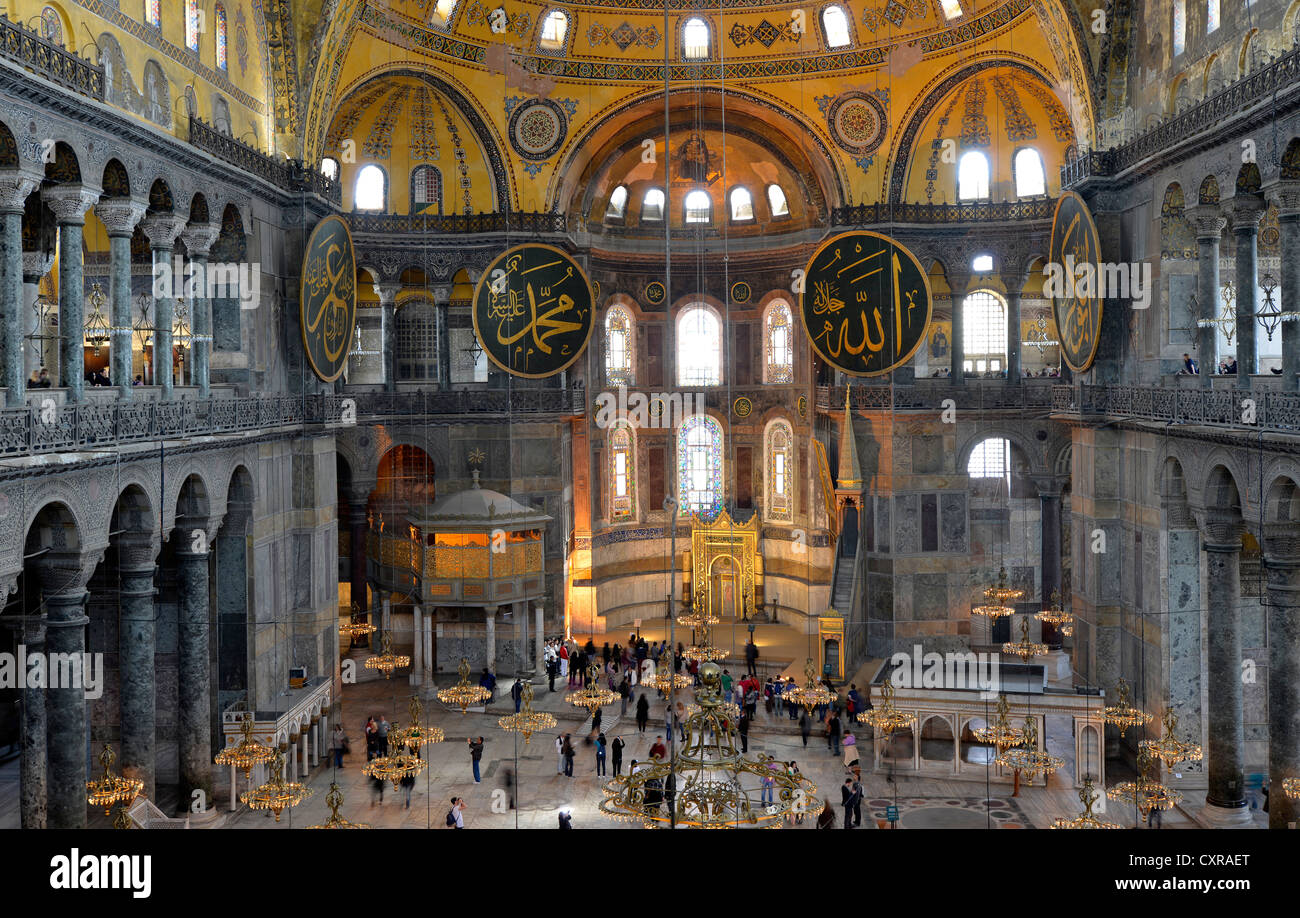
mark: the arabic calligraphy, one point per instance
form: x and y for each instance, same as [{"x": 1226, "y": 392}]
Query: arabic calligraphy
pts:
[
  {"x": 328, "y": 300},
  {"x": 1078, "y": 315},
  {"x": 533, "y": 311},
  {"x": 866, "y": 303}
]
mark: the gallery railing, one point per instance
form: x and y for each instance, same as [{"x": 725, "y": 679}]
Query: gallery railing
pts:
[
  {"x": 291, "y": 175},
  {"x": 976, "y": 212},
  {"x": 1209, "y": 407},
  {"x": 977, "y": 394},
  {"x": 497, "y": 222},
  {"x": 46, "y": 59}
]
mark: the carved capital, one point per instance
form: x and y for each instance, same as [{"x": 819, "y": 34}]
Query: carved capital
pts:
[
  {"x": 1209, "y": 221},
  {"x": 120, "y": 215},
  {"x": 441, "y": 295},
  {"x": 1049, "y": 485},
  {"x": 1246, "y": 212},
  {"x": 36, "y": 265},
  {"x": 15, "y": 186},
  {"x": 70, "y": 203},
  {"x": 1282, "y": 543},
  {"x": 162, "y": 229},
  {"x": 199, "y": 237},
  {"x": 387, "y": 293},
  {"x": 1222, "y": 529},
  {"x": 1285, "y": 193},
  {"x": 137, "y": 551}
]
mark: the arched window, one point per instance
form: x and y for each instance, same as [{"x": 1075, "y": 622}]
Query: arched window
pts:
[
  {"x": 51, "y": 26},
  {"x": 951, "y": 9},
  {"x": 1211, "y": 16},
  {"x": 222, "y": 54},
  {"x": 416, "y": 342},
  {"x": 617, "y": 207},
  {"x": 153, "y": 13},
  {"x": 619, "y": 349},
  {"x": 554, "y": 28},
  {"x": 778, "y": 344},
  {"x": 777, "y": 202},
  {"x": 652, "y": 206},
  {"x": 836, "y": 24},
  {"x": 329, "y": 167},
  {"x": 982, "y": 264},
  {"x": 699, "y": 466},
  {"x": 192, "y": 16},
  {"x": 442, "y": 11},
  {"x": 695, "y": 39},
  {"x": 426, "y": 190},
  {"x": 622, "y": 473},
  {"x": 1180, "y": 27},
  {"x": 973, "y": 177},
  {"x": 742, "y": 205},
  {"x": 699, "y": 347},
  {"x": 991, "y": 458},
  {"x": 1030, "y": 179},
  {"x": 371, "y": 189},
  {"x": 779, "y": 478},
  {"x": 984, "y": 332},
  {"x": 698, "y": 206}
]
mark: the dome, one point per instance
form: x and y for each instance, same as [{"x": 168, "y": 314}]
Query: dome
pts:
[{"x": 477, "y": 509}]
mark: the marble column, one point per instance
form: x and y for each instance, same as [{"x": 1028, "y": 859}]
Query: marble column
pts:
[
  {"x": 137, "y": 646},
  {"x": 1245, "y": 230},
  {"x": 198, "y": 239},
  {"x": 442, "y": 310},
  {"x": 1225, "y": 798},
  {"x": 490, "y": 648},
  {"x": 1013, "y": 332},
  {"x": 417, "y": 650},
  {"x": 70, "y": 203},
  {"x": 15, "y": 186},
  {"x": 387, "y": 293},
  {"x": 67, "y": 736},
  {"x": 1282, "y": 569},
  {"x": 162, "y": 230},
  {"x": 194, "y": 730},
  {"x": 1287, "y": 194},
  {"x": 35, "y": 266},
  {"x": 1049, "y": 496},
  {"x": 1209, "y": 231},
  {"x": 120, "y": 216},
  {"x": 29, "y": 631},
  {"x": 357, "y": 530},
  {"x": 957, "y": 285},
  {"x": 539, "y": 646}
]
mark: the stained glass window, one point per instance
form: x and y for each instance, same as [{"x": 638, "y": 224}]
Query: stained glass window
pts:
[
  {"x": 153, "y": 13},
  {"x": 622, "y": 473},
  {"x": 1211, "y": 16},
  {"x": 778, "y": 363},
  {"x": 1180, "y": 26},
  {"x": 221, "y": 37},
  {"x": 51, "y": 25},
  {"x": 699, "y": 347},
  {"x": 780, "y": 470},
  {"x": 192, "y": 29},
  {"x": 699, "y": 463},
  {"x": 618, "y": 348}
]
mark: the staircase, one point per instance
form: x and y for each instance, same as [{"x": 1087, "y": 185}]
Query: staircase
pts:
[{"x": 842, "y": 587}]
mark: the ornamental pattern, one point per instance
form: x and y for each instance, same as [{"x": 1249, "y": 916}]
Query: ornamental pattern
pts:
[
  {"x": 778, "y": 345},
  {"x": 379, "y": 142},
  {"x": 699, "y": 467},
  {"x": 624, "y": 35},
  {"x": 622, "y": 474},
  {"x": 1177, "y": 238},
  {"x": 974, "y": 122},
  {"x": 1019, "y": 125},
  {"x": 618, "y": 348},
  {"x": 780, "y": 471},
  {"x": 765, "y": 34}
]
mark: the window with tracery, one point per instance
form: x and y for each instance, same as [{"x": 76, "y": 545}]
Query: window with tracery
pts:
[
  {"x": 192, "y": 16},
  {"x": 222, "y": 53},
  {"x": 699, "y": 347},
  {"x": 153, "y": 13},
  {"x": 426, "y": 190},
  {"x": 618, "y": 348},
  {"x": 699, "y": 464},
  {"x": 622, "y": 473},
  {"x": 778, "y": 343},
  {"x": 780, "y": 471},
  {"x": 416, "y": 342},
  {"x": 984, "y": 331}
]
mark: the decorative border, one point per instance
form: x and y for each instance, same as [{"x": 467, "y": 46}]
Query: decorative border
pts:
[
  {"x": 560, "y": 137},
  {"x": 871, "y": 145}
]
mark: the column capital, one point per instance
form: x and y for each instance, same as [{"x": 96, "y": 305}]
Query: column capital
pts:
[
  {"x": 15, "y": 186},
  {"x": 1049, "y": 485},
  {"x": 162, "y": 229},
  {"x": 1222, "y": 530},
  {"x": 1209, "y": 220},
  {"x": 387, "y": 292},
  {"x": 120, "y": 215},
  {"x": 199, "y": 237},
  {"x": 1246, "y": 211},
  {"x": 37, "y": 264},
  {"x": 441, "y": 294},
  {"x": 1281, "y": 544},
  {"x": 70, "y": 203},
  {"x": 1285, "y": 193},
  {"x": 137, "y": 552}
]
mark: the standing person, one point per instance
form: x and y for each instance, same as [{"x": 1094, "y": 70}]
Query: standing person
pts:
[
  {"x": 372, "y": 739},
  {"x": 606, "y": 653},
  {"x": 778, "y": 690},
  {"x": 595, "y": 720},
  {"x": 743, "y": 728},
  {"x": 751, "y": 658},
  {"x": 517, "y": 693},
  {"x": 858, "y": 794},
  {"x": 456, "y": 815},
  {"x": 566, "y": 820},
  {"x": 769, "y": 783},
  {"x": 850, "y": 751},
  {"x": 564, "y": 662},
  {"x": 552, "y": 668},
  {"x": 658, "y": 750},
  {"x": 846, "y": 800},
  {"x": 408, "y": 784},
  {"x": 791, "y": 685},
  {"x": 377, "y": 791},
  {"x": 475, "y": 753},
  {"x": 855, "y": 703},
  {"x": 624, "y": 692},
  {"x": 559, "y": 755},
  {"x": 805, "y": 726},
  {"x": 567, "y": 751},
  {"x": 833, "y": 733},
  {"x": 339, "y": 744},
  {"x": 726, "y": 686},
  {"x": 382, "y": 732},
  {"x": 642, "y": 713},
  {"x": 600, "y": 755},
  {"x": 617, "y": 746},
  {"x": 489, "y": 682},
  {"x": 681, "y": 720},
  {"x": 508, "y": 782}
]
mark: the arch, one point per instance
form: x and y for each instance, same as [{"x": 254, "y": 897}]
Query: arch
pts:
[
  {"x": 1030, "y": 175},
  {"x": 1208, "y": 193},
  {"x": 984, "y": 330},
  {"x": 1282, "y": 502},
  {"x": 370, "y": 191},
  {"x": 740, "y": 205},
  {"x": 157, "y": 95},
  {"x": 836, "y": 25},
  {"x": 115, "y": 181},
  {"x": 1290, "y": 165},
  {"x": 777, "y": 203},
  {"x": 193, "y": 504},
  {"x": 8, "y": 148},
  {"x": 199, "y": 209},
  {"x": 778, "y": 342},
  {"x": 54, "y": 528},
  {"x": 426, "y": 190},
  {"x": 65, "y": 169},
  {"x": 695, "y": 39},
  {"x": 616, "y": 208},
  {"x": 1220, "y": 491},
  {"x": 699, "y": 345},
  {"x": 779, "y": 471},
  {"x": 1020, "y": 447},
  {"x": 221, "y": 115},
  {"x": 133, "y": 512},
  {"x": 1249, "y": 181},
  {"x": 973, "y": 176},
  {"x": 937, "y": 739},
  {"x": 160, "y": 198},
  {"x": 1177, "y": 238},
  {"x": 555, "y": 32},
  {"x": 405, "y": 476},
  {"x": 697, "y": 207}
]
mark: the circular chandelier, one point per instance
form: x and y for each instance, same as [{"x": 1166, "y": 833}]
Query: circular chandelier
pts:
[
  {"x": 1122, "y": 713},
  {"x": 1055, "y": 615},
  {"x": 111, "y": 788},
  {"x": 699, "y": 616},
  {"x": 1085, "y": 820},
  {"x": 416, "y": 736},
  {"x": 462, "y": 694},
  {"x": 1145, "y": 793},
  {"x": 727, "y": 709},
  {"x": 1169, "y": 748},
  {"x": 1027, "y": 757},
  {"x": 527, "y": 721},
  {"x": 335, "y": 800},
  {"x": 1291, "y": 787},
  {"x": 387, "y": 661},
  {"x": 708, "y": 784},
  {"x": 667, "y": 680},
  {"x": 1024, "y": 648},
  {"x": 357, "y": 627},
  {"x": 886, "y": 718},
  {"x": 395, "y": 766},
  {"x": 276, "y": 795},
  {"x": 1000, "y": 733},
  {"x": 995, "y": 598},
  {"x": 591, "y": 696},
  {"x": 703, "y": 650},
  {"x": 247, "y": 752},
  {"x": 813, "y": 693}
]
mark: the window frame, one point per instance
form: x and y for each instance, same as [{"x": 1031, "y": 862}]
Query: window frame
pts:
[
  {"x": 716, "y": 458},
  {"x": 708, "y": 44},
  {"x": 155, "y": 21},
  {"x": 621, "y": 216},
  {"x": 383, "y": 205},
  {"x": 192, "y": 10},
  {"x": 1177, "y": 36},
  {"x": 988, "y": 177},
  {"x": 731, "y": 208},
  {"x": 850, "y": 31},
  {"x": 778, "y": 507},
  {"x": 771, "y": 211},
  {"x": 694, "y": 193},
  {"x": 411, "y": 203},
  {"x": 626, "y": 376},
  {"x": 771, "y": 369},
  {"x": 663, "y": 206},
  {"x": 337, "y": 168},
  {"x": 404, "y": 350},
  {"x": 984, "y": 355},
  {"x": 566, "y": 40},
  {"x": 220, "y": 38},
  {"x": 679, "y": 365},
  {"x": 1015, "y": 171},
  {"x": 447, "y": 21},
  {"x": 621, "y": 508}
]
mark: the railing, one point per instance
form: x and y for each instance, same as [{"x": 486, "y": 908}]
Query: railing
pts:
[
  {"x": 463, "y": 401},
  {"x": 1215, "y": 408},
  {"x": 291, "y": 175},
  {"x": 977, "y": 212},
  {"x": 515, "y": 222},
  {"x": 44, "y": 58},
  {"x": 923, "y": 396},
  {"x": 1281, "y": 74}
]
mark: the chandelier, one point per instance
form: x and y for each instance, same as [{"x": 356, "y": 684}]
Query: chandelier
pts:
[
  {"x": 1001, "y": 734},
  {"x": 247, "y": 752},
  {"x": 1271, "y": 315},
  {"x": 886, "y": 718},
  {"x": 591, "y": 696},
  {"x": 1123, "y": 714},
  {"x": 1291, "y": 787},
  {"x": 527, "y": 721},
  {"x": 700, "y": 616},
  {"x": 703, "y": 650},
  {"x": 395, "y": 766},
  {"x": 1027, "y": 757},
  {"x": 1169, "y": 748},
  {"x": 416, "y": 736},
  {"x": 727, "y": 709},
  {"x": 335, "y": 800},
  {"x": 1085, "y": 820},
  {"x": 181, "y": 333},
  {"x": 97, "y": 328},
  {"x": 462, "y": 694},
  {"x": 708, "y": 784},
  {"x": 1024, "y": 648},
  {"x": 111, "y": 788},
  {"x": 356, "y": 627},
  {"x": 995, "y": 598},
  {"x": 1055, "y": 615},
  {"x": 666, "y": 679},
  {"x": 142, "y": 326},
  {"x": 277, "y": 794},
  {"x": 1226, "y": 321},
  {"x": 1145, "y": 793},
  {"x": 813, "y": 693},
  {"x": 387, "y": 661}
]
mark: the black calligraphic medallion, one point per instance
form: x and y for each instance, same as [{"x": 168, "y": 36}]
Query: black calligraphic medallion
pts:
[
  {"x": 533, "y": 311},
  {"x": 328, "y": 298},
  {"x": 1078, "y": 317},
  {"x": 865, "y": 303}
]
